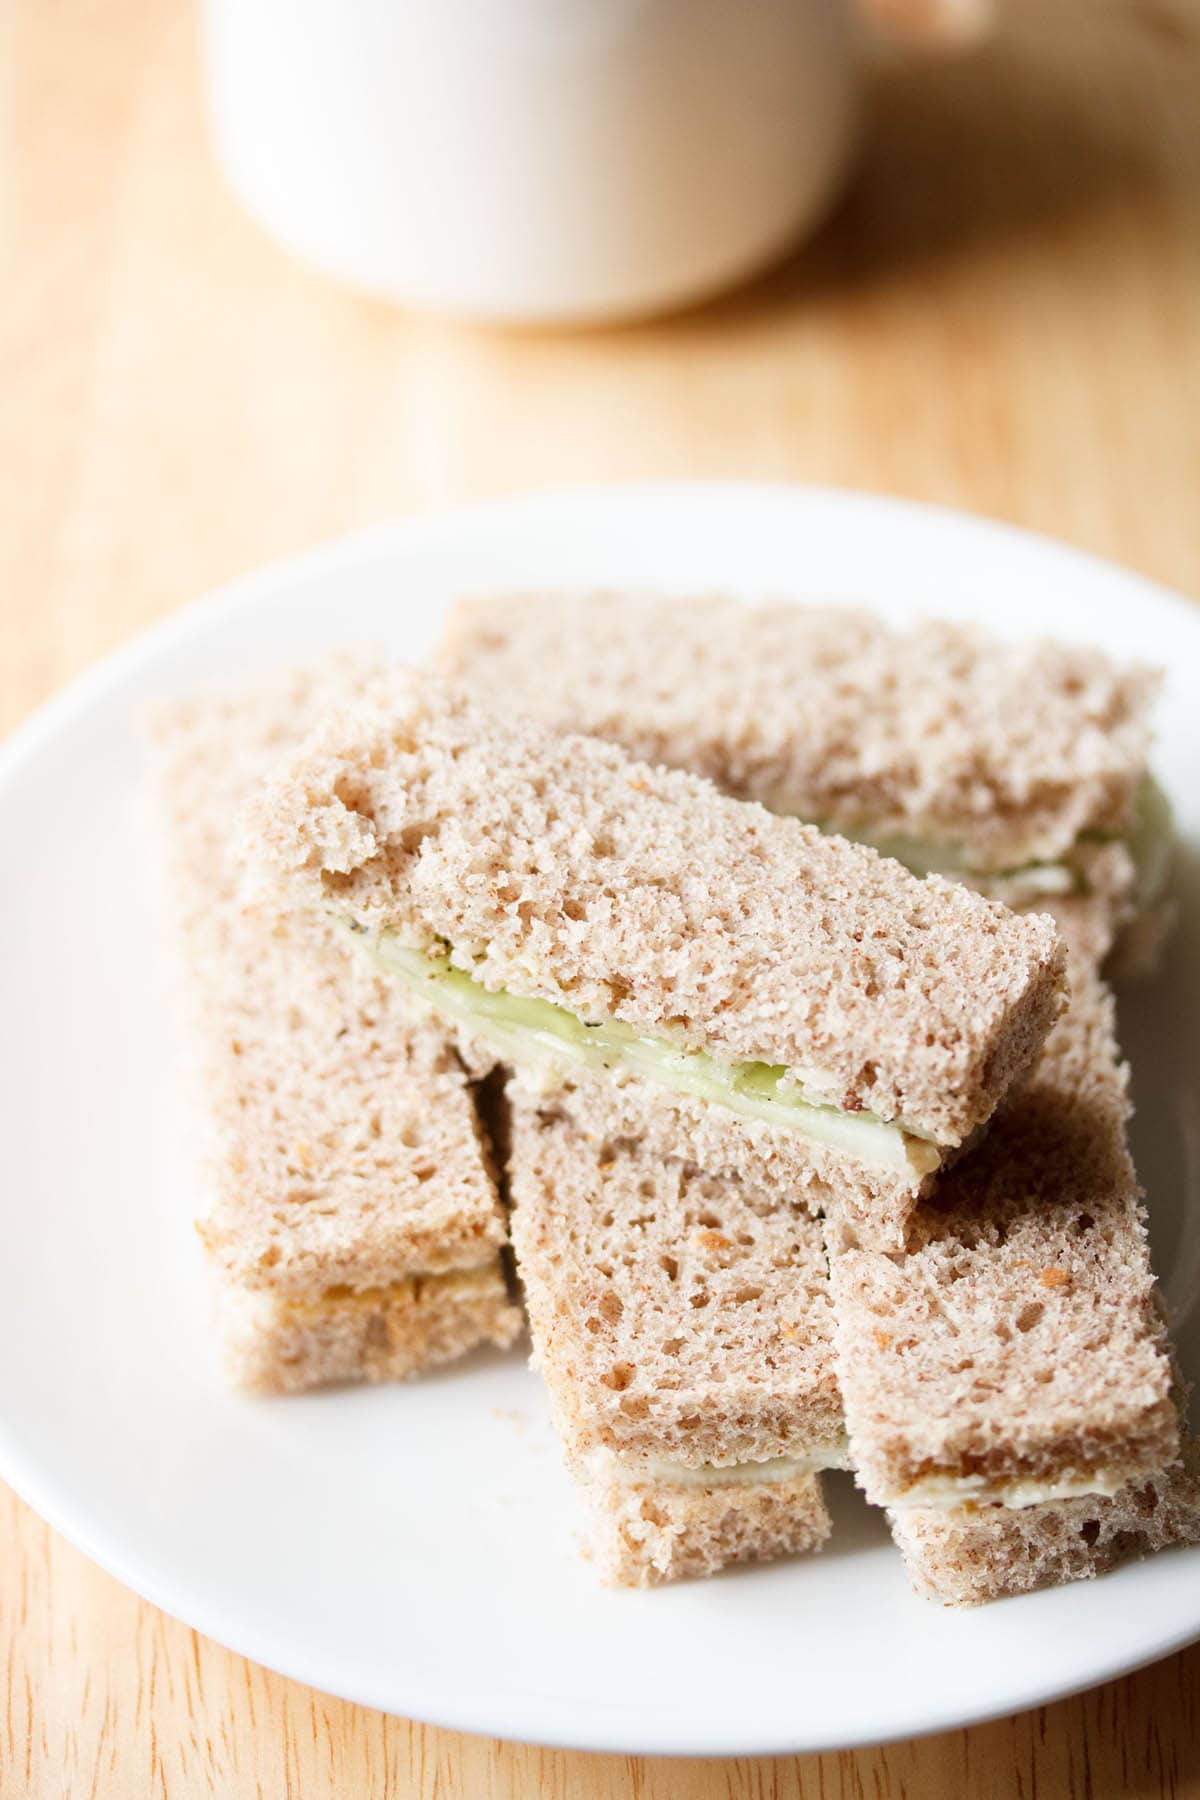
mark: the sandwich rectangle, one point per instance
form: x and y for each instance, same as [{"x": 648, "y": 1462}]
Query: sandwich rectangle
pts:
[
  {"x": 965, "y": 1556},
  {"x": 1017, "y": 767},
  {"x": 684, "y": 1330},
  {"x": 350, "y": 1216},
  {"x": 764, "y": 998},
  {"x": 1017, "y": 1354}
]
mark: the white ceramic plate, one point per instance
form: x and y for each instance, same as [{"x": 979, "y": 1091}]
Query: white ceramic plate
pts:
[{"x": 414, "y": 1548}]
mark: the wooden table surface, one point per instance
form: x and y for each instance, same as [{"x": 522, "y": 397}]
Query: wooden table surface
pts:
[{"x": 1005, "y": 315}]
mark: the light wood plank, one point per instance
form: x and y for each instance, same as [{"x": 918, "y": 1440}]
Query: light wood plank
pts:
[{"x": 1002, "y": 316}]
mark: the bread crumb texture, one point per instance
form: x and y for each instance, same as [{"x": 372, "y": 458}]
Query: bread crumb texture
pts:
[
  {"x": 559, "y": 868},
  {"x": 643, "y": 1536},
  {"x": 275, "y": 1345},
  {"x": 1020, "y": 1339},
  {"x": 966, "y": 1556},
  {"x": 937, "y": 732},
  {"x": 664, "y": 1123},
  {"x": 673, "y": 1314},
  {"x": 340, "y": 1145}
]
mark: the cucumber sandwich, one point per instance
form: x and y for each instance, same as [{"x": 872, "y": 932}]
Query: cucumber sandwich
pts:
[
  {"x": 729, "y": 986},
  {"x": 351, "y": 1220},
  {"x": 683, "y": 1326},
  {"x": 1019, "y": 768}
]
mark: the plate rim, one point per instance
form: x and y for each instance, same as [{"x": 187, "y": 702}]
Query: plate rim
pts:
[{"x": 270, "y": 581}]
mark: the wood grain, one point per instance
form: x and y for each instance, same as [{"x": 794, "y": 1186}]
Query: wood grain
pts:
[{"x": 1004, "y": 315}]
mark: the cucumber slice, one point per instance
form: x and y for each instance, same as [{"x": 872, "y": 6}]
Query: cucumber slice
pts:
[{"x": 527, "y": 1031}]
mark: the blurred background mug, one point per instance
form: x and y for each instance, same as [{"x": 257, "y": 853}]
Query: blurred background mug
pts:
[{"x": 536, "y": 161}]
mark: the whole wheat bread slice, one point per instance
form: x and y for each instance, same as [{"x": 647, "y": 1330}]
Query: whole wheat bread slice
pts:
[
  {"x": 1020, "y": 1343},
  {"x": 1004, "y": 755},
  {"x": 275, "y": 1344},
  {"x": 645, "y": 1533},
  {"x": 876, "y": 1202},
  {"x": 683, "y": 1326},
  {"x": 964, "y": 1556},
  {"x": 557, "y": 868},
  {"x": 343, "y": 1160},
  {"x": 937, "y": 732}
]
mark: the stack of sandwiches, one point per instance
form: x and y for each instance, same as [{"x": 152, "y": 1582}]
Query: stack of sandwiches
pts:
[
  {"x": 778, "y": 948},
  {"x": 352, "y": 1219}
]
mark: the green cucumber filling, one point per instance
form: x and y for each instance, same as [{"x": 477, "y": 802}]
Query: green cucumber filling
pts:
[
  {"x": 528, "y": 1031},
  {"x": 1148, "y": 841}
]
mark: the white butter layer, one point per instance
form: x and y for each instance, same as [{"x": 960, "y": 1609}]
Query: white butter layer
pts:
[
  {"x": 947, "y": 1493},
  {"x": 632, "y": 1471}
]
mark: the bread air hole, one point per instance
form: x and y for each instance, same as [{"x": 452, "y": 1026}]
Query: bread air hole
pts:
[
  {"x": 1089, "y": 1531},
  {"x": 414, "y": 835},
  {"x": 353, "y": 796},
  {"x": 619, "y": 1377},
  {"x": 1029, "y": 1316}
]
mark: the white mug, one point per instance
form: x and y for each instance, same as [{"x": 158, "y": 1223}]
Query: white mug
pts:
[{"x": 535, "y": 161}]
